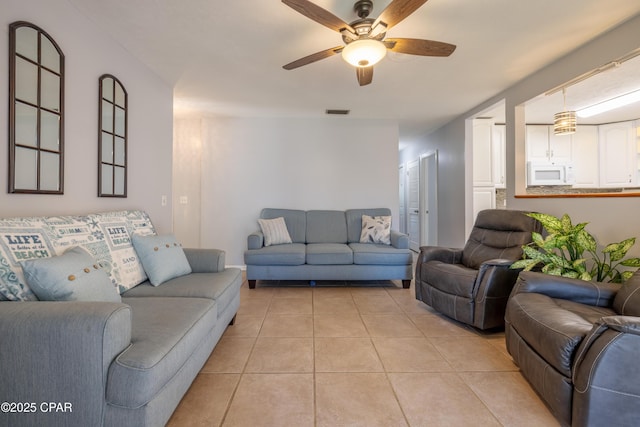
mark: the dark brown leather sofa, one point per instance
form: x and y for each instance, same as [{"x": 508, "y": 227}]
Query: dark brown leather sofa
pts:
[
  {"x": 472, "y": 284},
  {"x": 578, "y": 344}
]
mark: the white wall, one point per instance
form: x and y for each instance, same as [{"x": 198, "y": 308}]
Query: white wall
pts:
[
  {"x": 249, "y": 164},
  {"x": 610, "y": 219},
  {"x": 89, "y": 53}
]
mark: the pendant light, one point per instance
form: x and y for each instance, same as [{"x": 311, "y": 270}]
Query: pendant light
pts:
[{"x": 564, "y": 123}]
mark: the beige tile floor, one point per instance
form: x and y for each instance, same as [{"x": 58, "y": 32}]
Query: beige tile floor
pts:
[{"x": 360, "y": 355}]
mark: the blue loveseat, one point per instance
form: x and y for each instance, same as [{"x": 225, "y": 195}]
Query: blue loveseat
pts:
[{"x": 325, "y": 245}]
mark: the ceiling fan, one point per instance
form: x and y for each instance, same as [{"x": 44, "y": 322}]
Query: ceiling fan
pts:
[{"x": 364, "y": 38}]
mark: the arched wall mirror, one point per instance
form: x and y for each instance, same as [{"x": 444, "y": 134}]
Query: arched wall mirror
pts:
[
  {"x": 601, "y": 156},
  {"x": 112, "y": 138},
  {"x": 36, "y": 111}
]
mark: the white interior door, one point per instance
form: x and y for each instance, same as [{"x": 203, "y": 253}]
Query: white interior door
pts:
[
  {"x": 429, "y": 199},
  {"x": 413, "y": 204}
]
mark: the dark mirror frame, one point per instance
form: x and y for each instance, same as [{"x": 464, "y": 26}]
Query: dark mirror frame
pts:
[
  {"x": 112, "y": 137},
  {"x": 40, "y": 145}
]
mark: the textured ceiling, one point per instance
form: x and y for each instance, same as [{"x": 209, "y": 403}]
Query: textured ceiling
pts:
[{"x": 226, "y": 57}]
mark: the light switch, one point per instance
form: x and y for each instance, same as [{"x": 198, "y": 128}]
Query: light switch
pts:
[
  {"x": 184, "y": 200},
  {"x": 164, "y": 200}
]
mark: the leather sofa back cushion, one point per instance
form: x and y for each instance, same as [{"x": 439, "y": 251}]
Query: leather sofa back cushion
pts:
[
  {"x": 296, "y": 221},
  {"x": 498, "y": 233},
  {"x": 627, "y": 300}
]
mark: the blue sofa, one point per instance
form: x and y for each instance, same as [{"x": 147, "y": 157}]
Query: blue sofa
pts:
[
  {"x": 326, "y": 246},
  {"x": 119, "y": 364}
]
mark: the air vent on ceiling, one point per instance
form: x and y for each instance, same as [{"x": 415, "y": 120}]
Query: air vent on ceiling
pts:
[{"x": 338, "y": 112}]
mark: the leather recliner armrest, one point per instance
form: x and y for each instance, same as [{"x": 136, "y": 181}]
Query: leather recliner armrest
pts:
[
  {"x": 590, "y": 293},
  {"x": 605, "y": 374},
  {"x": 438, "y": 253}
]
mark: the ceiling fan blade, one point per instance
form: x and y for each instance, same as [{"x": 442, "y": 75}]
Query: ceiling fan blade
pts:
[
  {"x": 420, "y": 47},
  {"x": 397, "y": 11},
  {"x": 365, "y": 75},
  {"x": 318, "y": 14},
  {"x": 313, "y": 58}
]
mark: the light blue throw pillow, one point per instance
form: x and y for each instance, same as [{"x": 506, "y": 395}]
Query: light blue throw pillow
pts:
[
  {"x": 162, "y": 257},
  {"x": 72, "y": 276}
]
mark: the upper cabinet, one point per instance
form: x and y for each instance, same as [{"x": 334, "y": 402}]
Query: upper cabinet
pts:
[
  {"x": 544, "y": 147},
  {"x": 586, "y": 163},
  {"x": 618, "y": 155},
  {"x": 499, "y": 155},
  {"x": 483, "y": 153}
]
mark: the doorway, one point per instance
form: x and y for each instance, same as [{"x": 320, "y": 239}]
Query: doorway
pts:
[{"x": 422, "y": 201}]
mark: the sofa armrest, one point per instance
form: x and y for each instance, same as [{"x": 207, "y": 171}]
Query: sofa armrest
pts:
[
  {"x": 60, "y": 352},
  {"x": 605, "y": 373},
  {"x": 206, "y": 260},
  {"x": 590, "y": 293},
  {"x": 399, "y": 240},
  {"x": 255, "y": 240}
]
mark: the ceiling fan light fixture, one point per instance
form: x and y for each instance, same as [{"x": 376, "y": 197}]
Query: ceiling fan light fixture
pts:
[{"x": 364, "y": 52}]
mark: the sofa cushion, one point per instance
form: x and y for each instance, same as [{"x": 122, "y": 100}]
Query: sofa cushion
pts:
[
  {"x": 354, "y": 221},
  {"x": 498, "y": 234},
  {"x": 329, "y": 253},
  {"x": 164, "y": 334},
  {"x": 549, "y": 327},
  {"x": 222, "y": 287},
  {"x": 376, "y": 229},
  {"x": 454, "y": 279},
  {"x": 326, "y": 227},
  {"x": 291, "y": 254},
  {"x": 379, "y": 254},
  {"x": 72, "y": 276},
  {"x": 296, "y": 221},
  {"x": 627, "y": 300},
  {"x": 162, "y": 257},
  {"x": 274, "y": 231},
  {"x": 106, "y": 236}
]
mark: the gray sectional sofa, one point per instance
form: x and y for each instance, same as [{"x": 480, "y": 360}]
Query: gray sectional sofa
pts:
[
  {"x": 128, "y": 363},
  {"x": 325, "y": 245}
]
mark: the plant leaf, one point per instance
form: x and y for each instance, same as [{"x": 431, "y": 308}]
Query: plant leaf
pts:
[
  {"x": 549, "y": 222},
  {"x": 631, "y": 262},
  {"x": 626, "y": 275}
]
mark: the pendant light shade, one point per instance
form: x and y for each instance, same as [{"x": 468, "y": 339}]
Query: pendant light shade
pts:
[
  {"x": 564, "y": 123},
  {"x": 364, "y": 52}
]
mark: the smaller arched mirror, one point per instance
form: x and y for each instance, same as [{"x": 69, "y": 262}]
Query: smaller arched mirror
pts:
[
  {"x": 112, "y": 138},
  {"x": 36, "y": 111}
]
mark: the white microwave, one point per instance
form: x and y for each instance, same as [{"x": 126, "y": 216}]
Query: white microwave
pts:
[{"x": 549, "y": 173}]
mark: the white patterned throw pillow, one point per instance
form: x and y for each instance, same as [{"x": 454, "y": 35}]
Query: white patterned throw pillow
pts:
[
  {"x": 275, "y": 231},
  {"x": 376, "y": 229}
]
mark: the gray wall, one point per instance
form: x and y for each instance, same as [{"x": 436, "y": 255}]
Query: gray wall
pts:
[
  {"x": 610, "y": 219},
  {"x": 88, "y": 55},
  {"x": 252, "y": 163}
]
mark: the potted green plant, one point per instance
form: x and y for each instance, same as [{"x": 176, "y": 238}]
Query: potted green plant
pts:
[{"x": 569, "y": 250}]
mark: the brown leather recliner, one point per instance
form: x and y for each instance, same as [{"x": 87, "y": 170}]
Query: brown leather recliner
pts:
[
  {"x": 577, "y": 343},
  {"x": 472, "y": 285}
]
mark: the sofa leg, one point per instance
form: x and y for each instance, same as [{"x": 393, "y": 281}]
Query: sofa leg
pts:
[
  {"x": 252, "y": 284},
  {"x": 406, "y": 284},
  {"x": 233, "y": 320}
]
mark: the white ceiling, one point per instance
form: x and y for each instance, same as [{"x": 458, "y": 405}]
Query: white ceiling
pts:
[{"x": 226, "y": 57}]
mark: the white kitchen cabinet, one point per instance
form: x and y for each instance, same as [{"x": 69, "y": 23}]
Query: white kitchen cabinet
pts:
[
  {"x": 618, "y": 155},
  {"x": 482, "y": 153},
  {"x": 483, "y": 198},
  {"x": 544, "y": 146},
  {"x": 586, "y": 169},
  {"x": 499, "y": 155}
]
